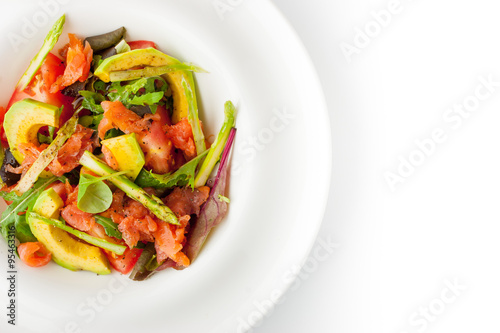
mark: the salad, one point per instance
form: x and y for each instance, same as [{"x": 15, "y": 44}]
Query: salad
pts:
[{"x": 105, "y": 161}]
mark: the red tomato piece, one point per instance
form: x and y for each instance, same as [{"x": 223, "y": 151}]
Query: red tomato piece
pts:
[
  {"x": 125, "y": 262},
  {"x": 34, "y": 254},
  {"x": 39, "y": 89},
  {"x": 141, "y": 44}
]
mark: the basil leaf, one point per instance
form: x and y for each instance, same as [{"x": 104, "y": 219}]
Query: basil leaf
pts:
[
  {"x": 110, "y": 227},
  {"x": 21, "y": 203},
  {"x": 183, "y": 176},
  {"x": 94, "y": 196}
]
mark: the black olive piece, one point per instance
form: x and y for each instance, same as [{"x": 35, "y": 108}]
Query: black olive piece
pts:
[
  {"x": 109, "y": 52},
  {"x": 141, "y": 110},
  {"x": 101, "y": 42},
  {"x": 9, "y": 178},
  {"x": 74, "y": 89}
]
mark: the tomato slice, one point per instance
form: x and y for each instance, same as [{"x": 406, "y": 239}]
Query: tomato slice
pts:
[
  {"x": 34, "y": 254},
  {"x": 39, "y": 87},
  {"x": 125, "y": 262},
  {"x": 141, "y": 44}
]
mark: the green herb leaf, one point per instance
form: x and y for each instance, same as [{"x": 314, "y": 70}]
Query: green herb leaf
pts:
[
  {"x": 23, "y": 231},
  {"x": 21, "y": 203},
  {"x": 182, "y": 177},
  {"x": 92, "y": 101},
  {"x": 144, "y": 91},
  {"x": 99, "y": 85},
  {"x": 147, "y": 99},
  {"x": 96, "y": 61},
  {"x": 94, "y": 196},
  {"x": 44, "y": 139},
  {"x": 113, "y": 133},
  {"x": 110, "y": 227}
]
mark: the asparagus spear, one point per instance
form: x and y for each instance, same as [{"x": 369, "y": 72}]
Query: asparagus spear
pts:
[
  {"x": 47, "y": 155},
  {"x": 199, "y": 138},
  {"x": 217, "y": 147},
  {"x": 116, "y": 248},
  {"x": 49, "y": 42},
  {"x": 153, "y": 203}
]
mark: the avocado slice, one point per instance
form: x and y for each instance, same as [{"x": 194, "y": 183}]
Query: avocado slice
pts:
[
  {"x": 127, "y": 153},
  {"x": 24, "y": 119},
  {"x": 152, "y": 57},
  {"x": 66, "y": 251}
]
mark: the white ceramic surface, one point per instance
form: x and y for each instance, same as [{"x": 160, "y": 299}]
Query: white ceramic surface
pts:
[{"x": 280, "y": 167}]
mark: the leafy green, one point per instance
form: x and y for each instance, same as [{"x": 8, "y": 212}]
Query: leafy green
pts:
[
  {"x": 99, "y": 85},
  {"x": 99, "y": 242},
  {"x": 140, "y": 271},
  {"x": 94, "y": 196},
  {"x": 147, "y": 99},
  {"x": 96, "y": 61},
  {"x": 23, "y": 231},
  {"x": 182, "y": 177},
  {"x": 217, "y": 147},
  {"x": 21, "y": 203},
  {"x": 146, "y": 91},
  {"x": 44, "y": 139},
  {"x": 92, "y": 101},
  {"x": 110, "y": 227},
  {"x": 35, "y": 64},
  {"x": 199, "y": 138},
  {"x": 113, "y": 133},
  {"x": 47, "y": 139}
]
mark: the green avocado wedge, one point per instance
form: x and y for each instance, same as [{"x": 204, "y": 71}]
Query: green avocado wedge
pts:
[
  {"x": 24, "y": 119},
  {"x": 66, "y": 251},
  {"x": 153, "y": 58}
]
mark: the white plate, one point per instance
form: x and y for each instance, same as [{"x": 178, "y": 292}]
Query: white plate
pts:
[{"x": 280, "y": 168}]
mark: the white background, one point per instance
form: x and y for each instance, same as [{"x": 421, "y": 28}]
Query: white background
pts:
[{"x": 397, "y": 249}]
